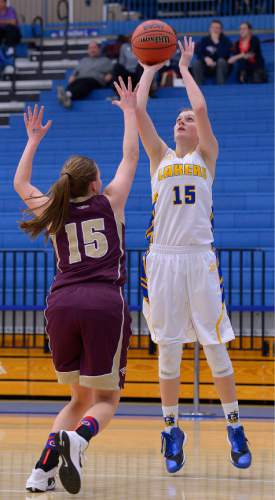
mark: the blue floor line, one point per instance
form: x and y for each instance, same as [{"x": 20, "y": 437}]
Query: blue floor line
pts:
[{"x": 147, "y": 415}]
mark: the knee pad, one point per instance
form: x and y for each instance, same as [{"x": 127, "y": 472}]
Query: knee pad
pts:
[
  {"x": 218, "y": 360},
  {"x": 169, "y": 360}
]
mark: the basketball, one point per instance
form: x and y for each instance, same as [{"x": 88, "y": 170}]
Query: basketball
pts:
[{"x": 154, "y": 42}]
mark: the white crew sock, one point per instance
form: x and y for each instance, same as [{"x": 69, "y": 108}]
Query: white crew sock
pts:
[
  {"x": 231, "y": 413},
  {"x": 170, "y": 415}
]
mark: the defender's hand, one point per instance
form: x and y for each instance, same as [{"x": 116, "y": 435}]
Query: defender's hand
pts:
[
  {"x": 33, "y": 123},
  {"x": 128, "y": 96}
]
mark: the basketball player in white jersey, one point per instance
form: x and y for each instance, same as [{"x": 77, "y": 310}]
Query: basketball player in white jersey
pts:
[{"x": 183, "y": 287}]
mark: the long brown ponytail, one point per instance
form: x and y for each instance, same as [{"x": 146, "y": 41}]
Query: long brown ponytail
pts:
[{"x": 76, "y": 174}]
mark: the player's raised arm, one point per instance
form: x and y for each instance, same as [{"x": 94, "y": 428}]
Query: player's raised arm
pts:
[
  {"x": 33, "y": 198},
  {"x": 154, "y": 146},
  {"x": 118, "y": 190},
  {"x": 208, "y": 145}
]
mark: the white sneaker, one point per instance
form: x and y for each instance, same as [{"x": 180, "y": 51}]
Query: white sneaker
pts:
[
  {"x": 71, "y": 448},
  {"x": 9, "y": 51},
  {"x": 60, "y": 92},
  {"x": 64, "y": 96},
  {"x": 39, "y": 480}
]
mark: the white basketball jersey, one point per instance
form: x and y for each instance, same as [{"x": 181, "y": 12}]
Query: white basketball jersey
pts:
[{"x": 182, "y": 201}]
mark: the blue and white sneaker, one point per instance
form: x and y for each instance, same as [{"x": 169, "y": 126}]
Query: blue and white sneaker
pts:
[
  {"x": 240, "y": 453},
  {"x": 172, "y": 448}
]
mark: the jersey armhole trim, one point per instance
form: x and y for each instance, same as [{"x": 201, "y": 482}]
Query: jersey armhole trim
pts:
[
  {"x": 166, "y": 151},
  {"x": 116, "y": 216},
  {"x": 207, "y": 168}
]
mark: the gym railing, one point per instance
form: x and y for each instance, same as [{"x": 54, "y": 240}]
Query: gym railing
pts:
[
  {"x": 155, "y": 9},
  {"x": 37, "y": 27},
  {"x": 63, "y": 15},
  {"x": 26, "y": 276},
  {"x": 9, "y": 73}
]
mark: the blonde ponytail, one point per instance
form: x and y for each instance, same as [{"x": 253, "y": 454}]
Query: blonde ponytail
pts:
[{"x": 74, "y": 181}]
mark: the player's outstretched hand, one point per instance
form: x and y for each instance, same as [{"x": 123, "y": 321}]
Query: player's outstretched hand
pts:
[
  {"x": 154, "y": 68},
  {"x": 128, "y": 96},
  {"x": 33, "y": 123},
  {"x": 187, "y": 52}
]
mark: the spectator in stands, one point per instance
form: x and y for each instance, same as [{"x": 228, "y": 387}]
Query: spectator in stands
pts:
[
  {"x": 127, "y": 64},
  {"x": 213, "y": 52},
  {"x": 9, "y": 31},
  {"x": 248, "y": 57},
  {"x": 111, "y": 48},
  {"x": 170, "y": 71},
  {"x": 93, "y": 72}
]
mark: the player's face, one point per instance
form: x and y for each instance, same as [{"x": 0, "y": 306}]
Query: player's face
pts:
[{"x": 185, "y": 126}]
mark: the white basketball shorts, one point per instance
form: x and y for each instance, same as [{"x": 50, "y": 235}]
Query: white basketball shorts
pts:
[{"x": 185, "y": 295}]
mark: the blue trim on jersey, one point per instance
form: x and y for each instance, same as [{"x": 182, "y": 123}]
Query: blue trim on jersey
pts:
[
  {"x": 149, "y": 235},
  {"x": 150, "y": 230},
  {"x": 217, "y": 257},
  {"x": 143, "y": 278}
]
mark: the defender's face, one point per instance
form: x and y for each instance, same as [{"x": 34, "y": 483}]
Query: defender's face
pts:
[
  {"x": 96, "y": 186},
  {"x": 98, "y": 183},
  {"x": 185, "y": 126}
]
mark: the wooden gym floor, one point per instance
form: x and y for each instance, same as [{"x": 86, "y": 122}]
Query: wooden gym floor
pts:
[{"x": 124, "y": 462}]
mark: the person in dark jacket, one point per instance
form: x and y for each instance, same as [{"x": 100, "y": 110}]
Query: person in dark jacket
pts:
[
  {"x": 213, "y": 52},
  {"x": 127, "y": 64},
  {"x": 248, "y": 57}
]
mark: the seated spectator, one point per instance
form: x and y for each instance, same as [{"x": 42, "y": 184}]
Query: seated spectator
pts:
[
  {"x": 93, "y": 72},
  {"x": 127, "y": 64},
  {"x": 248, "y": 57},
  {"x": 111, "y": 48},
  {"x": 170, "y": 71},
  {"x": 9, "y": 31},
  {"x": 6, "y": 61},
  {"x": 213, "y": 52}
]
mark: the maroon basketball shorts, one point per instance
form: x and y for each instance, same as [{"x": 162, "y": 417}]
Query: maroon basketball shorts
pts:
[{"x": 89, "y": 327}]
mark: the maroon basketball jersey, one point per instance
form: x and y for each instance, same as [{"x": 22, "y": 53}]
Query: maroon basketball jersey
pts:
[{"x": 91, "y": 245}]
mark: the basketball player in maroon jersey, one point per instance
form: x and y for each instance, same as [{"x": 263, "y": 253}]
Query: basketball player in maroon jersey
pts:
[{"x": 88, "y": 322}]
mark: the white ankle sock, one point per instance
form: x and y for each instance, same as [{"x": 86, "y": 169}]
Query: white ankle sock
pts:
[
  {"x": 170, "y": 415},
  {"x": 231, "y": 413}
]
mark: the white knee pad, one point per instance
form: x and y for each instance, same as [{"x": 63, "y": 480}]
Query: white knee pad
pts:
[
  {"x": 169, "y": 360},
  {"x": 218, "y": 360}
]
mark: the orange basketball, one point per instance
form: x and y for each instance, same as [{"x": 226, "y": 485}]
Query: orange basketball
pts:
[{"x": 154, "y": 42}]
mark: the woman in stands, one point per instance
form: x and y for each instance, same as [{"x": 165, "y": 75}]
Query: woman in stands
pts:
[
  {"x": 88, "y": 322},
  {"x": 248, "y": 58},
  {"x": 184, "y": 300}
]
